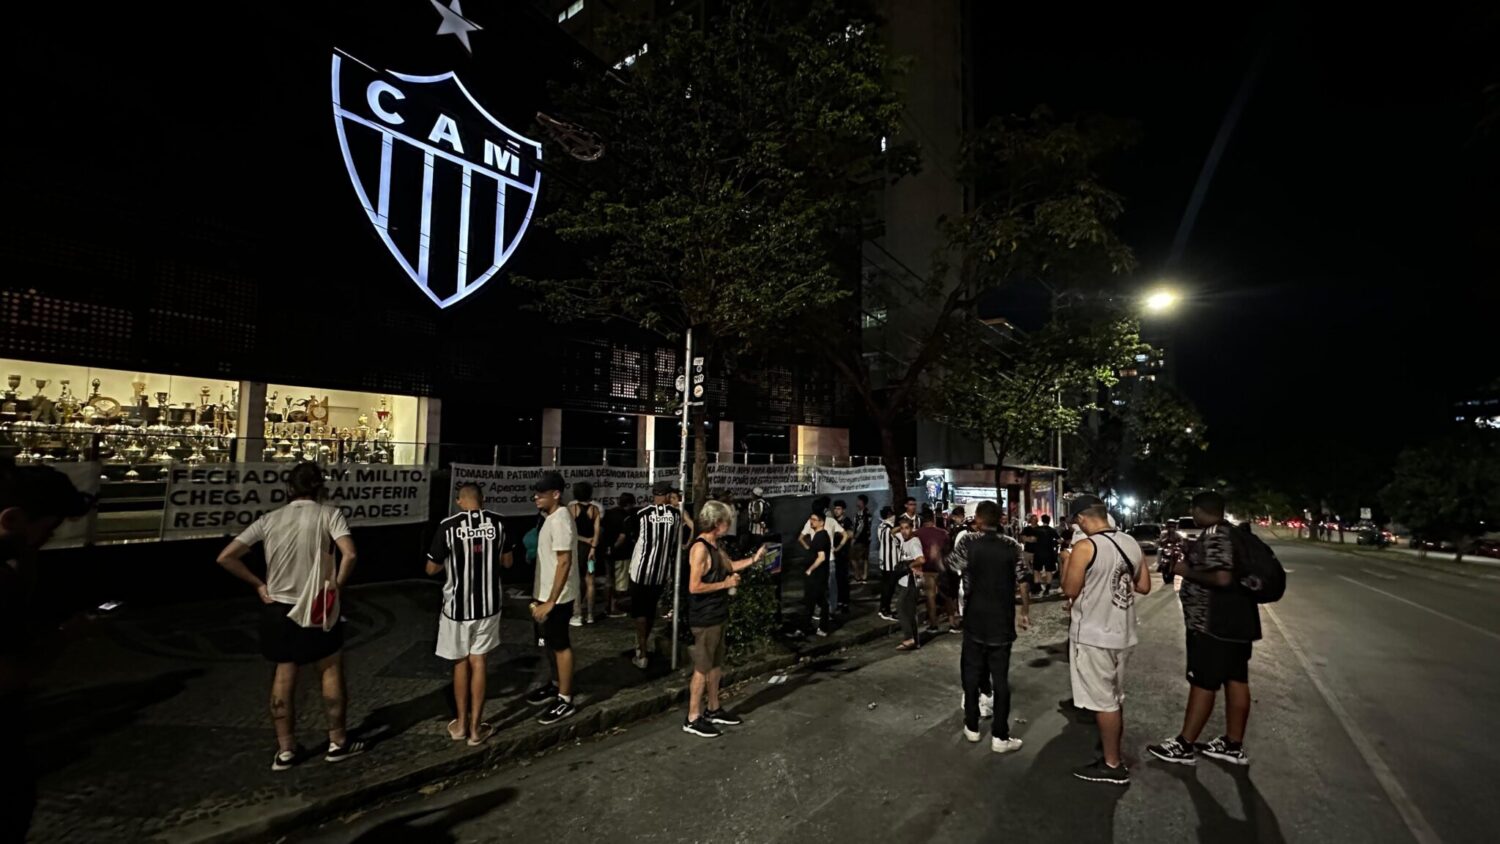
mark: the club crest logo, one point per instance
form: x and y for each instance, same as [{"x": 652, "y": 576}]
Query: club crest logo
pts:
[{"x": 449, "y": 189}]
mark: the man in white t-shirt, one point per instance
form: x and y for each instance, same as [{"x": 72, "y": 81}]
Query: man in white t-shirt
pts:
[
  {"x": 300, "y": 623},
  {"x": 555, "y": 589}
]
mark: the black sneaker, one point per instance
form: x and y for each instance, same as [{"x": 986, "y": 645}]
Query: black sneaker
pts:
[
  {"x": 560, "y": 710},
  {"x": 546, "y": 694},
  {"x": 1224, "y": 750},
  {"x": 722, "y": 718},
  {"x": 701, "y": 728},
  {"x": 1175, "y": 750},
  {"x": 338, "y": 753},
  {"x": 285, "y": 760},
  {"x": 1097, "y": 771}
]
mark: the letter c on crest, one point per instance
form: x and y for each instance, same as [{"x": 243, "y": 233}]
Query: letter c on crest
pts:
[{"x": 372, "y": 95}]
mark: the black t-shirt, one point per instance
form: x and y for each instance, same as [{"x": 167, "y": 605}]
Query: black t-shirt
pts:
[
  {"x": 820, "y": 542},
  {"x": 1046, "y": 544},
  {"x": 1029, "y": 537},
  {"x": 611, "y": 526},
  {"x": 989, "y": 572},
  {"x": 1227, "y": 613}
]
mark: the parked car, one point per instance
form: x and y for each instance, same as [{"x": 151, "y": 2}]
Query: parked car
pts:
[
  {"x": 1147, "y": 536},
  {"x": 1487, "y": 548}
]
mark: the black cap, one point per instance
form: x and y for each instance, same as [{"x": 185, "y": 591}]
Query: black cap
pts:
[
  {"x": 661, "y": 488},
  {"x": 549, "y": 481},
  {"x": 41, "y": 491},
  {"x": 1083, "y": 502}
]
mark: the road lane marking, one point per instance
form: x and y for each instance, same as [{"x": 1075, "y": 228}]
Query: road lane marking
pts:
[
  {"x": 1460, "y": 622},
  {"x": 1380, "y": 574},
  {"x": 1416, "y": 824}
]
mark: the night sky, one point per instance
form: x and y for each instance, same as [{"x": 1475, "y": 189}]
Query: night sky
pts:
[{"x": 1341, "y": 275}]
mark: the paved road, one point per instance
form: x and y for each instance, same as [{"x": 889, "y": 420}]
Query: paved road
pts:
[{"x": 1369, "y": 689}]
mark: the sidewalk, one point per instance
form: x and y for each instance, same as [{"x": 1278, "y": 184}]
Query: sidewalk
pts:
[{"x": 156, "y": 728}]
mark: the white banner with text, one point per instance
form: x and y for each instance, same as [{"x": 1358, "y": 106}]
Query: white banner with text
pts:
[
  {"x": 507, "y": 489},
  {"x": 831, "y": 481},
  {"x": 226, "y": 498}
]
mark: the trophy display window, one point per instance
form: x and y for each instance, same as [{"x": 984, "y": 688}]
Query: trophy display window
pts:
[
  {"x": 134, "y": 423},
  {"x": 340, "y": 426}
]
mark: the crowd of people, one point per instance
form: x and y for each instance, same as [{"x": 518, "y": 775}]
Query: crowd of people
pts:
[{"x": 976, "y": 573}]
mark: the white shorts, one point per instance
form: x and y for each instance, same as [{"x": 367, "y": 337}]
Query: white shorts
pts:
[
  {"x": 1098, "y": 676},
  {"x": 458, "y": 639}
]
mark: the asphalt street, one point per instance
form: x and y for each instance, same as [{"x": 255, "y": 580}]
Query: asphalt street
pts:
[{"x": 1369, "y": 689}]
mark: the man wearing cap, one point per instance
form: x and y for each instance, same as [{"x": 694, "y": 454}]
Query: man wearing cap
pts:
[
  {"x": 1102, "y": 577},
  {"x": 34, "y": 501},
  {"x": 554, "y": 589},
  {"x": 658, "y": 548}
]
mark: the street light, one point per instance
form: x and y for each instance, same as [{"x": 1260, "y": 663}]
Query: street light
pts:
[{"x": 1161, "y": 301}]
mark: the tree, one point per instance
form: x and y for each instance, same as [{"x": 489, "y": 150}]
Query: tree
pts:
[
  {"x": 1015, "y": 395},
  {"x": 739, "y": 153},
  {"x": 1449, "y": 489},
  {"x": 1143, "y": 446},
  {"x": 1042, "y": 214}
]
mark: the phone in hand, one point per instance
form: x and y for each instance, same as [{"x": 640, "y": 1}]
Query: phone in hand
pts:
[{"x": 110, "y": 606}]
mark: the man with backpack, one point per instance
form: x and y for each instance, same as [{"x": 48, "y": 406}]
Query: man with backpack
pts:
[{"x": 1225, "y": 574}]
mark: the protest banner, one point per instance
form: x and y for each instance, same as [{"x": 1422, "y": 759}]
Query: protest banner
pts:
[
  {"x": 507, "y": 489},
  {"x": 225, "y": 498}
]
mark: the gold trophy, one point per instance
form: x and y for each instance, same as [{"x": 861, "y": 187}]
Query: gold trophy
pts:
[{"x": 41, "y": 384}]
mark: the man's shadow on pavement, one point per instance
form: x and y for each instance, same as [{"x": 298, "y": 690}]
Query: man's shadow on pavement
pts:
[
  {"x": 434, "y": 825},
  {"x": 1090, "y": 814},
  {"x": 1260, "y": 825}
]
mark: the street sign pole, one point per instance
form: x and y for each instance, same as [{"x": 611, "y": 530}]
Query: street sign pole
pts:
[{"x": 687, "y": 415}]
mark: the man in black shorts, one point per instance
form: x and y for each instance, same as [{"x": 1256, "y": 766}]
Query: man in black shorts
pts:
[
  {"x": 1222, "y": 621},
  {"x": 1040, "y": 540},
  {"x": 658, "y": 548}
]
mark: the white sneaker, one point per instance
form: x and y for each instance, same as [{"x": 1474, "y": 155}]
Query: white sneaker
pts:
[
  {"x": 1010, "y": 745},
  {"x": 575, "y": 621},
  {"x": 971, "y": 735},
  {"x": 639, "y": 660}
]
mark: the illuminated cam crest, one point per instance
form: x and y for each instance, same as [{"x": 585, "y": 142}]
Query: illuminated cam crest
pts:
[{"x": 449, "y": 189}]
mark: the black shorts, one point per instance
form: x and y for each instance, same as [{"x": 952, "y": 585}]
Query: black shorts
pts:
[
  {"x": 1213, "y": 662},
  {"x": 1044, "y": 565},
  {"x": 554, "y": 631},
  {"x": 645, "y": 599},
  {"x": 283, "y": 640}
]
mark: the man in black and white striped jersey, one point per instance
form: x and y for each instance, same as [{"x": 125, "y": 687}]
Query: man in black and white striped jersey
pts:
[
  {"x": 658, "y": 550},
  {"x": 888, "y": 545},
  {"x": 470, "y": 546}
]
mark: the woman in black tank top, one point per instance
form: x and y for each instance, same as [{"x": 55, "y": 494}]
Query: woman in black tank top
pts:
[
  {"x": 711, "y": 580},
  {"x": 586, "y": 516}
]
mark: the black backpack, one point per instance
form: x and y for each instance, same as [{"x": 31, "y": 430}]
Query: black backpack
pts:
[{"x": 1260, "y": 573}]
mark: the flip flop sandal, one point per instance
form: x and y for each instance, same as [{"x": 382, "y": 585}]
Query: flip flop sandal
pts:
[
  {"x": 456, "y": 736},
  {"x": 484, "y": 731},
  {"x": 905, "y": 647}
]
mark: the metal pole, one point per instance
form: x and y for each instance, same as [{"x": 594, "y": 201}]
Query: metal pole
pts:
[{"x": 687, "y": 409}]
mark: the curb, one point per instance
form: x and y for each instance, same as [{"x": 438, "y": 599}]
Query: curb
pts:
[
  {"x": 259, "y": 823},
  {"x": 1473, "y": 571}
]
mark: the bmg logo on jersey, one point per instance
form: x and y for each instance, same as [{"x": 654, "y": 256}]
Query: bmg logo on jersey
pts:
[
  {"x": 466, "y": 533},
  {"x": 449, "y": 189}
]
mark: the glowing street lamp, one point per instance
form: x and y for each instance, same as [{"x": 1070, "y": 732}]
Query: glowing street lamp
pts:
[{"x": 1160, "y": 301}]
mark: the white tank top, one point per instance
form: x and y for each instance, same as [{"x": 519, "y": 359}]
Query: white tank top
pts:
[{"x": 1104, "y": 614}]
